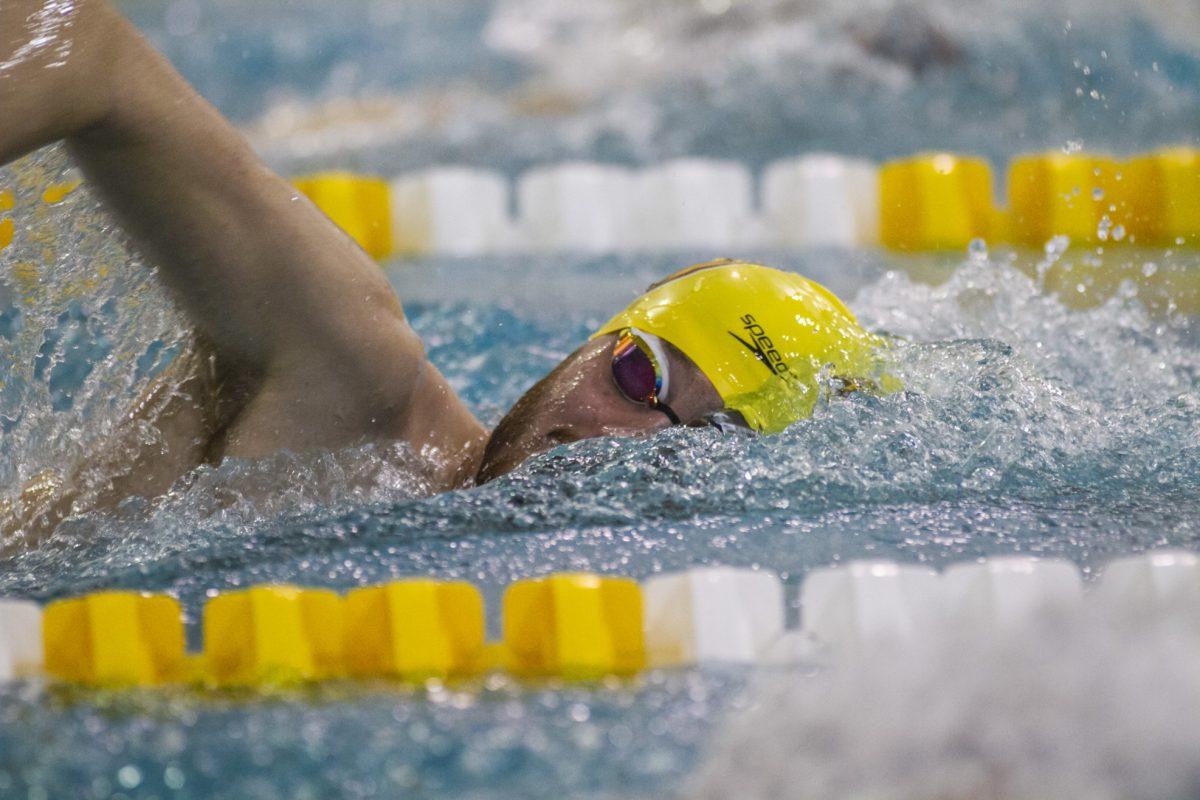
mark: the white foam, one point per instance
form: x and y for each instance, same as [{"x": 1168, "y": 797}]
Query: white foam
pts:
[
  {"x": 452, "y": 211},
  {"x": 821, "y": 200},
  {"x": 1068, "y": 707},
  {"x": 716, "y": 614},
  {"x": 577, "y": 207},
  {"x": 20, "y": 639},
  {"x": 696, "y": 203},
  {"x": 863, "y": 602}
]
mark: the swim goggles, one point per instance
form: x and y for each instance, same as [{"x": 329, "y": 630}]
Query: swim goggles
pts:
[{"x": 641, "y": 370}]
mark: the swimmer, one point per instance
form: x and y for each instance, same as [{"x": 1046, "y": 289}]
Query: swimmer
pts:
[{"x": 301, "y": 344}]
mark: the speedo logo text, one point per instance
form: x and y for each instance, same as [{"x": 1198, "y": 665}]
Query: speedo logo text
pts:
[{"x": 758, "y": 343}]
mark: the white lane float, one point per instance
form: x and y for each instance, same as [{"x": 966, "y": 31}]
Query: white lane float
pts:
[
  {"x": 717, "y": 614},
  {"x": 451, "y": 211},
  {"x": 696, "y": 203},
  {"x": 868, "y": 602},
  {"x": 821, "y": 200},
  {"x": 20, "y": 639},
  {"x": 1154, "y": 582},
  {"x": 577, "y": 207},
  {"x": 1009, "y": 592}
]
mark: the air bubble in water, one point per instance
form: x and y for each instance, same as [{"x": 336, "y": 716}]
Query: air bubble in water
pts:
[
  {"x": 1057, "y": 245},
  {"x": 174, "y": 778},
  {"x": 1149, "y": 268},
  {"x": 1118, "y": 233},
  {"x": 129, "y": 776},
  {"x": 1103, "y": 229},
  {"x": 1073, "y": 145},
  {"x": 1097, "y": 194},
  {"x": 978, "y": 249}
]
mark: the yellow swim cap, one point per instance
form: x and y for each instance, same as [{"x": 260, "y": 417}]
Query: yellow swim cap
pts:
[{"x": 762, "y": 336}]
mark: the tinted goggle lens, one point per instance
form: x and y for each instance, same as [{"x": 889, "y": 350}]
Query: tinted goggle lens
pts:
[{"x": 634, "y": 371}]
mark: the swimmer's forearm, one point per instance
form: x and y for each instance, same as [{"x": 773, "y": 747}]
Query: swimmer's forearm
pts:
[
  {"x": 260, "y": 269},
  {"x": 53, "y": 68},
  {"x": 263, "y": 274}
]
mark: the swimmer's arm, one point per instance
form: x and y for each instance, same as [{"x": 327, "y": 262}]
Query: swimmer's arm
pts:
[{"x": 275, "y": 286}]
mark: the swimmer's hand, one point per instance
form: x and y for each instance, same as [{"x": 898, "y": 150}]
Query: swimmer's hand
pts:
[{"x": 290, "y": 305}]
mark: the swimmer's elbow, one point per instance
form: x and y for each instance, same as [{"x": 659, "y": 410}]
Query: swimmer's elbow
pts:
[{"x": 376, "y": 368}]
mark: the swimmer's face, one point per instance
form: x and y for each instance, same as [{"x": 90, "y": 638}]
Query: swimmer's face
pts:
[{"x": 580, "y": 400}]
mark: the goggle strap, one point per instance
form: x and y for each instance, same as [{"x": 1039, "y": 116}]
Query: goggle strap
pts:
[{"x": 670, "y": 412}]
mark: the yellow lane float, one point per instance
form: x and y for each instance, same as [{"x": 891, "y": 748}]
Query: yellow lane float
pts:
[
  {"x": 1164, "y": 197},
  {"x": 273, "y": 635},
  {"x": 579, "y": 627},
  {"x": 935, "y": 201},
  {"x": 1073, "y": 195},
  {"x": 415, "y": 630},
  {"x": 6, "y": 225},
  {"x": 359, "y": 204},
  {"x": 115, "y": 639}
]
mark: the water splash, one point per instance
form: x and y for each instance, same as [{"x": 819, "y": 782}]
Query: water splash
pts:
[{"x": 85, "y": 323}]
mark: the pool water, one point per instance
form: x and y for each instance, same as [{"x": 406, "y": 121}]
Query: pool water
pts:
[
  {"x": 390, "y": 85},
  {"x": 1050, "y": 408}
]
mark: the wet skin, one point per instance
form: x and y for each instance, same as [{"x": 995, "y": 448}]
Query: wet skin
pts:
[
  {"x": 301, "y": 342},
  {"x": 580, "y": 400}
]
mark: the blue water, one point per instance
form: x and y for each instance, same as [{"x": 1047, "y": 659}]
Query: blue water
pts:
[
  {"x": 1050, "y": 401},
  {"x": 475, "y": 741},
  {"x": 520, "y": 82}
]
